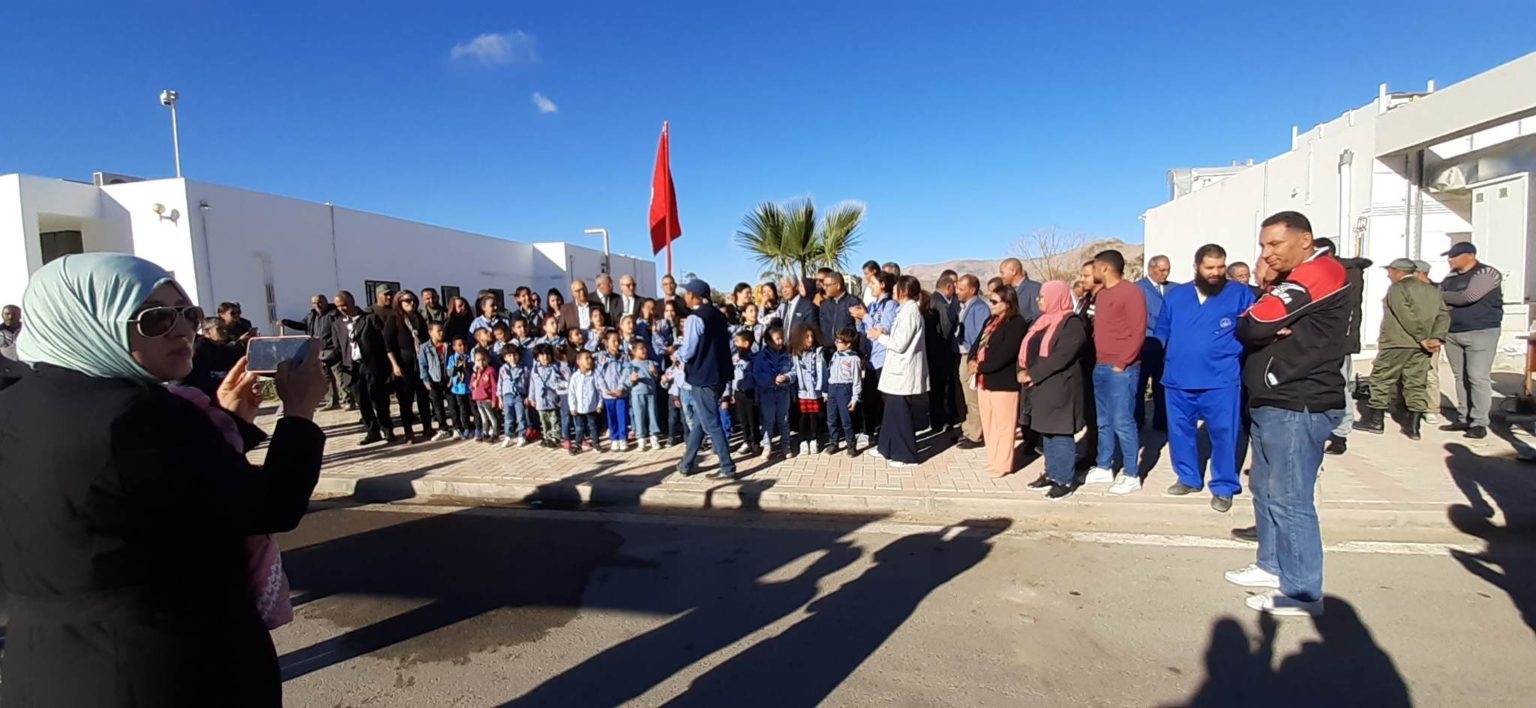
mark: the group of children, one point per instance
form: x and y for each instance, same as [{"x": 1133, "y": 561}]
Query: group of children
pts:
[{"x": 572, "y": 389}]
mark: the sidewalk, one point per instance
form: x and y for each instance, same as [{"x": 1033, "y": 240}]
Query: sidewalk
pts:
[{"x": 1385, "y": 482}]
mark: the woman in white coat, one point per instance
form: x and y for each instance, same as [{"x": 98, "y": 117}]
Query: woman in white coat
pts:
[{"x": 905, "y": 378}]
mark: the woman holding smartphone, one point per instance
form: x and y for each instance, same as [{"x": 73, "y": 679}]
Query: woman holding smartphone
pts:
[{"x": 123, "y": 549}]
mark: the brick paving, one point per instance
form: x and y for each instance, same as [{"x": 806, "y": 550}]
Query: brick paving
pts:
[{"x": 1385, "y": 474}]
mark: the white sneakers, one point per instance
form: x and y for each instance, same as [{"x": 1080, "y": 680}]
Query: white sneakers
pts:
[
  {"x": 655, "y": 443},
  {"x": 1253, "y": 577},
  {"x": 745, "y": 448},
  {"x": 815, "y": 447},
  {"x": 522, "y": 441},
  {"x": 1126, "y": 484},
  {"x": 621, "y": 445},
  {"x": 897, "y": 464},
  {"x": 442, "y": 435},
  {"x": 1099, "y": 475},
  {"x": 506, "y": 443},
  {"x": 1280, "y": 604}
]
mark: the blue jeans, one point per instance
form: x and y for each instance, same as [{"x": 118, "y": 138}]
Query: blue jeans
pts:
[
  {"x": 643, "y": 404},
  {"x": 775, "y": 403},
  {"x": 586, "y": 428},
  {"x": 839, "y": 418},
  {"x": 514, "y": 417},
  {"x": 703, "y": 405},
  {"x": 617, "y": 411},
  {"x": 1114, "y": 395},
  {"x": 1060, "y": 458},
  {"x": 1287, "y": 450}
]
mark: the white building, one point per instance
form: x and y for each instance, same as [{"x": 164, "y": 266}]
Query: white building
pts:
[
  {"x": 1405, "y": 175},
  {"x": 267, "y": 252}
]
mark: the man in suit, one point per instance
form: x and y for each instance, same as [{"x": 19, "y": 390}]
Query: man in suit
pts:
[
  {"x": 836, "y": 308},
  {"x": 669, "y": 294},
  {"x": 606, "y": 297},
  {"x": 941, "y": 355},
  {"x": 317, "y": 324},
  {"x": 577, "y": 312},
  {"x": 359, "y": 338},
  {"x": 801, "y": 310},
  {"x": 626, "y": 302},
  {"x": 1154, "y": 285},
  {"x": 1013, "y": 273}
]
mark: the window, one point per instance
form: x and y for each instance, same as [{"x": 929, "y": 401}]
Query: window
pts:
[
  {"x": 449, "y": 292},
  {"x": 57, "y": 244},
  {"x": 500, "y": 295},
  {"x": 368, "y": 298}
]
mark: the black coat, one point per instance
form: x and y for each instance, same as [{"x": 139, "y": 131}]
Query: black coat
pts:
[
  {"x": 122, "y": 547},
  {"x": 1000, "y": 370},
  {"x": 399, "y": 341},
  {"x": 805, "y": 314},
  {"x": 1054, "y": 400},
  {"x": 834, "y": 316}
]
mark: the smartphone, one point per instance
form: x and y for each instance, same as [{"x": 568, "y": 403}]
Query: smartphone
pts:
[{"x": 264, "y": 354}]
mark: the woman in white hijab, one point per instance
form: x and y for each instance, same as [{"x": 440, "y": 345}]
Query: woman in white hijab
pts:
[{"x": 124, "y": 508}]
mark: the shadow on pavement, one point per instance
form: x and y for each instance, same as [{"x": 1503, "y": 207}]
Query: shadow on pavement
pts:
[
  {"x": 1495, "y": 485},
  {"x": 1345, "y": 667}
]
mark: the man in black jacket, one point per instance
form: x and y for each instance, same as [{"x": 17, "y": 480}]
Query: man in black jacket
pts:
[
  {"x": 836, "y": 308},
  {"x": 360, "y": 338},
  {"x": 1354, "y": 272},
  {"x": 942, "y": 355},
  {"x": 317, "y": 324},
  {"x": 1296, "y": 336}
]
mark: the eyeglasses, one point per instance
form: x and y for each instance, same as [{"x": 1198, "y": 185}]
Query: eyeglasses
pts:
[{"x": 159, "y": 321}]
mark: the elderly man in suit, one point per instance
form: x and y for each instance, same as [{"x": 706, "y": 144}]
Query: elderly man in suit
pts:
[
  {"x": 577, "y": 312},
  {"x": 1154, "y": 285},
  {"x": 800, "y": 309},
  {"x": 606, "y": 297},
  {"x": 626, "y": 302}
]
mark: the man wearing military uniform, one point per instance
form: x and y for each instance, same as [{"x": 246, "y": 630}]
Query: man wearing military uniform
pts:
[{"x": 1415, "y": 324}]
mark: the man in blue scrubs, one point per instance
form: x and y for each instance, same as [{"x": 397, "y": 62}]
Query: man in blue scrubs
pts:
[{"x": 1202, "y": 375}]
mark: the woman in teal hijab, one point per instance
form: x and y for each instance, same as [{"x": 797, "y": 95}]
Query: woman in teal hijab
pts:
[{"x": 125, "y": 512}]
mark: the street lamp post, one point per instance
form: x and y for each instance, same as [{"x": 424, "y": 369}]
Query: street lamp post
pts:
[
  {"x": 607, "y": 259},
  {"x": 168, "y": 99}
]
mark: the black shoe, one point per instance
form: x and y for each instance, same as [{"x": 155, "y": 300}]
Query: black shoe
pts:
[
  {"x": 1180, "y": 489},
  {"x": 1454, "y": 428},
  {"x": 1372, "y": 422},
  {"x": 351, "y": 406},
  {"x": 1060, "y": 491},
  {"x": 391, "y": 439},
  {"x": 968, "y": 444},
  {"x": 370, "y": 439},
  {"x": 1336, "y": 445},
  {"x": 718, "y": 475},
  {"x": 1413, "y": 425},
  {"x": 1041, "y": 483},
  {"x": 1247, "y": 533},
  {"x": 1221, "y": 504},
  {"x": 687, "y": 472},
  {"x": 1476, "y": 432}
]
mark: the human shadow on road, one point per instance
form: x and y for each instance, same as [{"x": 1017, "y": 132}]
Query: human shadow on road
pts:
[
  {"x": 1496, "y": 485},
  {"x": 1345, "y": 667},
  {"x": 415, "y": 580}
]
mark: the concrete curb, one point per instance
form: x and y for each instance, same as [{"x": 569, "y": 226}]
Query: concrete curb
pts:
[{"x": 1086, "y": 509}]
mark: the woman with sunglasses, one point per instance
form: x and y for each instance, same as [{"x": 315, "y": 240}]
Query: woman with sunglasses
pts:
[
  {"x": 405, "y": 330},
  {"x": 994, "y": 377},
  {"x": 123, "y": 552}
]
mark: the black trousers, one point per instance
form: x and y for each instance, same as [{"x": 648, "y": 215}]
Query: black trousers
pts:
[
  {"x": 871, "y": 410},
  {"x": 467, "y": 416},
  {"x": 1151, "y": 375},
  {"x": 942, "y": 373},
  {"x": 442, "y": 410},
  {"x": 371, "y": 390},
  {"x": 747, "y": 416},
  {"x": 413, "y": 399},
  {"x": 898, "y": 439},
  {"x": 346, "y": 379}
]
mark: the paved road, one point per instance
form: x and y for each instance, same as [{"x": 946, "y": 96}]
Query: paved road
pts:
[{"x": 406, "y": 606}]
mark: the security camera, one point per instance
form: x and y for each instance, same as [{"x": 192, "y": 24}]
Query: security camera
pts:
[
  {"x": 168, "y": 97},
  {"x": 158, "y": 208}
]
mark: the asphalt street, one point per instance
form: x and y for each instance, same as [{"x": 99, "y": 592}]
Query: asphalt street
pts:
[{"x": 444, "y": 606}]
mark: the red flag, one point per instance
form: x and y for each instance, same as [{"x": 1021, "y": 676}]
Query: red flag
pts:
[{"x": 665, "y": 227}]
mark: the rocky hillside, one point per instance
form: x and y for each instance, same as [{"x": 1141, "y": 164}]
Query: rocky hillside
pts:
[{"x": 1037, "y": 267}]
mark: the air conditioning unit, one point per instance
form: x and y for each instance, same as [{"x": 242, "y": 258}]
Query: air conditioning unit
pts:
[{"x": 102, "y": 179}]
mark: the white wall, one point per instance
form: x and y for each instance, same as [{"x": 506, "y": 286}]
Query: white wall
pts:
[
  {"x": 14, "y": 265},
  {"x": 152, "y": 237}
]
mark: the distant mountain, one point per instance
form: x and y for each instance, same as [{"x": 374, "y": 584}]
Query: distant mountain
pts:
[{"x": 928, "y": 274}]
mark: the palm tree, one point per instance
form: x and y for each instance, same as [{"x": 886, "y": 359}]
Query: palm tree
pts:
[{"x": 790, "y": 239}]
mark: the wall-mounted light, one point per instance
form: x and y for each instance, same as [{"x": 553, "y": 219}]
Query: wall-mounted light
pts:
[{"x": 172, "y": 216}]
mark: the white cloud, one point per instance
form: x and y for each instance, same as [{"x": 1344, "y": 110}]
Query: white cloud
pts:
[
  {"x": 544, "y": 104},
  {"x": 494, "y": 48}
]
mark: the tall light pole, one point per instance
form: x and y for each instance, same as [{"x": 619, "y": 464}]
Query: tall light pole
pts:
[
  {"x": 607, "y": 259},
  {"x": 168, "y": 99}
]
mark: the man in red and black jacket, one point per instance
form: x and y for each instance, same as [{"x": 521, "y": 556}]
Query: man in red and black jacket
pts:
[{"x": 1296, "y": 334}]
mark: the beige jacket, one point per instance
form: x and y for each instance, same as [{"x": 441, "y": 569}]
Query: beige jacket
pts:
[{"x": 906, "y": 362}]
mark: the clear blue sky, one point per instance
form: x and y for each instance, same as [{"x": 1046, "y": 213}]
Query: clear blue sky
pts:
[{"x": 960, "y": 125}]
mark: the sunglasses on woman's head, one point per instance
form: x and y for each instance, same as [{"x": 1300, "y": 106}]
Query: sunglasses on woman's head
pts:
[{"x": 159, "y": 321}]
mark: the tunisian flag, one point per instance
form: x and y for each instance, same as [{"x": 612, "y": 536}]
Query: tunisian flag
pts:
[{"x": 665, "y": 227}]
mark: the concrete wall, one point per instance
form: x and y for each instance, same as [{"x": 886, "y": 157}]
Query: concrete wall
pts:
[{"x": 15, "y": 259}]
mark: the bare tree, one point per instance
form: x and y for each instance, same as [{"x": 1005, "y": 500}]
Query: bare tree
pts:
[{"x": 1050, "y": 253}]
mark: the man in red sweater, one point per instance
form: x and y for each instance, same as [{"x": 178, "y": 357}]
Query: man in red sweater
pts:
[{"x": 1119, "y": 326}]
